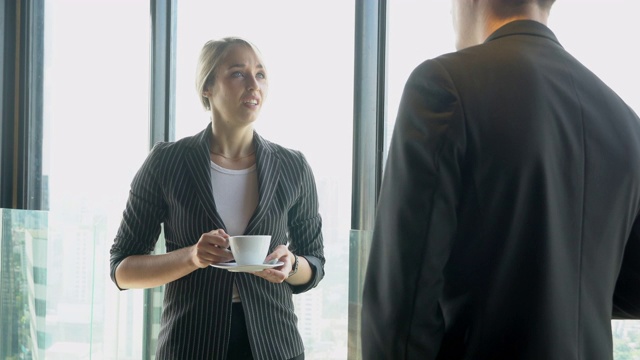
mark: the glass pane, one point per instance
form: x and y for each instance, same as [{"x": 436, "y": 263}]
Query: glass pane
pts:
[
  {"x": 609, "y": 49},
  {"x": 309, "y": 108},
  {"x": 96, "y": 136},
  {"x": 410, "y": 45},
  {"x": 23, "y": 267}
]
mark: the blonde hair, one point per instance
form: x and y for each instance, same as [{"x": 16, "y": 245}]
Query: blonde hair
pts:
[{"x": 211, "y": 55}]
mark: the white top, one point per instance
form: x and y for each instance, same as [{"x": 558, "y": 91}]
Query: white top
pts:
[{"x": 236, "y": 197}]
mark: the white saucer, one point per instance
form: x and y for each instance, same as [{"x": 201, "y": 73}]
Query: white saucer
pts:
[{"x": 233, "y": 267}]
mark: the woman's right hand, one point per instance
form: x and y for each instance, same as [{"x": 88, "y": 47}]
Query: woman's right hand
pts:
[{"x": 212, "y": 247}]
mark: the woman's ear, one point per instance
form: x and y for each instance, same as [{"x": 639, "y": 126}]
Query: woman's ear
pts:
[{"x": 206, "y": 89}]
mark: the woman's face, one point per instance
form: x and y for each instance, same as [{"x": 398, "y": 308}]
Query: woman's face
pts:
[{"x": 239, "y": 88}]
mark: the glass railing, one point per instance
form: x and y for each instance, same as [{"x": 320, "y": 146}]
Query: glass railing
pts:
[
  {"x": 58, "y": 302},
  {"x": 626, "y": 339}
]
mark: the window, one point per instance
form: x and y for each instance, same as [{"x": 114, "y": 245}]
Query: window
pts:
[
  {"x": 96, "y": 135},
  {"x": 410, "y": 45},
  {"x": 573, "y": 24},
  {"x": 96, "y": 120}
]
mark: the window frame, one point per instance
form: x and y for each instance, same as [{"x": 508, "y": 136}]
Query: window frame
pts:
[
  {"x": 22, "y": 127},
  {"x": 21, "y": 84}
]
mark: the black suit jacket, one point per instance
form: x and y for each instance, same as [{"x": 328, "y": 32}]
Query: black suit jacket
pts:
[
  {"x": 173, "y": 189},
  {"x": 507, "y": 225}
]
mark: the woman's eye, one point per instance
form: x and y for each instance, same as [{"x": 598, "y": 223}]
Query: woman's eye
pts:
[
  {"x": 261, "y": 76},
  {"x": 237, "y": 74}
]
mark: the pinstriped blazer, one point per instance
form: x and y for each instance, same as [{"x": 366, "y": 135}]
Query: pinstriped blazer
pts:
[{"x": 173, "y": 189}]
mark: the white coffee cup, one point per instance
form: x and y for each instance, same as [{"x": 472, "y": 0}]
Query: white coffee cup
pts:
[{"x": 250, "y": 249}]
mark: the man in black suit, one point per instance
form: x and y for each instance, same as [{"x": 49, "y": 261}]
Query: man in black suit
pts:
[{"x": 507, "y": 226}]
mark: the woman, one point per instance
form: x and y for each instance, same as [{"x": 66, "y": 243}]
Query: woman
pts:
[{"x": 224, "y": 180}]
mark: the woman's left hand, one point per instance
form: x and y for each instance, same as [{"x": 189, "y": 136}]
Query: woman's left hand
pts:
[{"x": 280, "y": 273}]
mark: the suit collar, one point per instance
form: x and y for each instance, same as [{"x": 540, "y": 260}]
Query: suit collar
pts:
[
  {"x": 267, "y": 165},
  {"x": 198, "y": 163},
  {"x": 523, "y": 27}
]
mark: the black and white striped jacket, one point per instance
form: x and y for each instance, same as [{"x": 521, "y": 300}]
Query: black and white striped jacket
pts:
[{"x": 173, "y": 189}]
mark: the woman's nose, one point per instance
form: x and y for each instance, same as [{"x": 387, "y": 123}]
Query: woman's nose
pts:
[{"x": 252, "y": 83}]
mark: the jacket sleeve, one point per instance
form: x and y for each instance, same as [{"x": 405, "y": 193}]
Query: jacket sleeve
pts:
[
  {"x": 143, "y": 215},
  {"x": 305, "y": 227},
  {"x": 626, "y": 298},
  {"x": 415, "y": 221}
]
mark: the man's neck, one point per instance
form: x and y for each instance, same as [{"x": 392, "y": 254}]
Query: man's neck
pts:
[{"x": 533, "y": 12}]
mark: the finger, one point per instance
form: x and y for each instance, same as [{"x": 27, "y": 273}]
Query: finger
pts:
[
  {"x": 217, "y": 239},
  {"x": 279, "y": 253},
  {"x": 202, "y": 258},
  {"x": 272, "y": 275},
  {"x": 220, "y": 232},
  {"x": 208, "y": 253}
]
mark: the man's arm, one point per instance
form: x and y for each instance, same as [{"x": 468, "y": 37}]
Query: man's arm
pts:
[
  {"x": 626, "y": 298},
  {"x": 415, "y": 221}
]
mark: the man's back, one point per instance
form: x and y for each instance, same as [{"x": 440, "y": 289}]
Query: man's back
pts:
[
  {"x": 516, "y": 211},
  {"x": 552, "y": 194}
]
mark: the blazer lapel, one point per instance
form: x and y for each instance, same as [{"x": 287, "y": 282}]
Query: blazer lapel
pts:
[
  {"x": 268, "y": 167},
  {"x": 198, "y": 164}
]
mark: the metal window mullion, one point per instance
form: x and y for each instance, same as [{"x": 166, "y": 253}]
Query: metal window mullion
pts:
[
  {"x": 161, "y": 128},
  {"x": 31, "y": 105},
  {"x": 21, "y": 83},
  {"x": 8, "y": 24},
  {"x": 368, "y": 148},
  {"x": 163, "y": 64}
]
